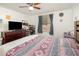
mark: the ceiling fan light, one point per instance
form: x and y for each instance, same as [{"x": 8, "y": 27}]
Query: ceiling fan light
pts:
[{"x": 31, "y": 8}]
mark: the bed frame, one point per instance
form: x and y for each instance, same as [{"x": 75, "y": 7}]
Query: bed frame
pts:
[{"x": 13, "y": 35}]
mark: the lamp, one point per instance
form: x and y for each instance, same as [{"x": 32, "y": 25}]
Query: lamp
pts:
[{"x": 31, "y": 8}]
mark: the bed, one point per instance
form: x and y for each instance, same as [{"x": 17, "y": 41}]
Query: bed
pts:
[{"x": 40, "y": 45}]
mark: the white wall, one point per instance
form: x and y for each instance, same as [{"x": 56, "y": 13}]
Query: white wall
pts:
[
  {"x": 76, "y": 13},
  {"x": 59, "y": 27},
  {"x": 33, "y": 20},
  {"x": 64, "y": 26},
  {"x": 16, "y": 16}
]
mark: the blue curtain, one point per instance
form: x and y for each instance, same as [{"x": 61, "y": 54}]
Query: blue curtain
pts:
[
  {"x": 51, "y": 25},
  {"x": 40, "y": 24}
]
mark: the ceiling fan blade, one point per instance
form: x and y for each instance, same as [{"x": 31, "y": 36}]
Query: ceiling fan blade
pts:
[
  {"x": 37, "y": 7},
  {"x": 22, "y": 6},
  {"x": 30, "y": 4},
  {"x": 36, "y": 3}
]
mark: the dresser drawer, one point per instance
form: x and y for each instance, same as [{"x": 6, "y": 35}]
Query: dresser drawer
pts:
[
  {"x": 77, "y": 33},
  {"x": 77, "y": 28},
  {"x": 77, "y": 22},
  {"x": 77, "y": 36}
]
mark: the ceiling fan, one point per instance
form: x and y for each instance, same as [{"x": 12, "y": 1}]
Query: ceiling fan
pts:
[{"x": 31, "y": 6}]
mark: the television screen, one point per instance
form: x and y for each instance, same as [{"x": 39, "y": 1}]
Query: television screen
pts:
[{"x": 15, "y": 25}]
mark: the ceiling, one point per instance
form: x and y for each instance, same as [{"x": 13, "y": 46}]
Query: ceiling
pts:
[{"x": 45, "y": 7}]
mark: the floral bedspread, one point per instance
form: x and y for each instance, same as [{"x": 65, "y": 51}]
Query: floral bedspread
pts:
[{"x": 45, "y": 46}]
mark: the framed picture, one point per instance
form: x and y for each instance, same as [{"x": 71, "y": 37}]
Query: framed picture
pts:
[{"x": 8, "y": 17}]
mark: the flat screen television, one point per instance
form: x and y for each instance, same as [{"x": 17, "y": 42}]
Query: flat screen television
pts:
[{"x": 14, "y": 25}]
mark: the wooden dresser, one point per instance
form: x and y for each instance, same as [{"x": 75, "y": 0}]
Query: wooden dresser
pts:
[
  {"x": 13, "y": 35},
  {"x": 76, "y": 28}
]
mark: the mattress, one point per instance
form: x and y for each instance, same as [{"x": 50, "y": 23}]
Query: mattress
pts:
[
  {"x": 41, "y": 45},
  {"x": 4, "y": 48}
]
